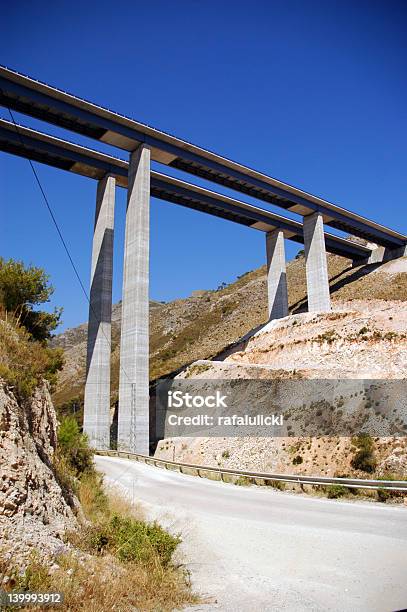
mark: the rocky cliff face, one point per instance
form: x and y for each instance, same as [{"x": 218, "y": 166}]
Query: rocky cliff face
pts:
[{"x": 33, "y": 511}]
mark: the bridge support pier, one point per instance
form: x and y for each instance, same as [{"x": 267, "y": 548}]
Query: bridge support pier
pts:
[
  {"x": 276, "y": 275},
  {"x": 382, "y": 254},
  {"x": 316, "y": 264},
  {"x": 133, "y": 423},
  {"x": 97, "y": 388}
]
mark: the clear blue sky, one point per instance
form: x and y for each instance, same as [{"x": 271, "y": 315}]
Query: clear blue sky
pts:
[{"x": 311, "y": 92}]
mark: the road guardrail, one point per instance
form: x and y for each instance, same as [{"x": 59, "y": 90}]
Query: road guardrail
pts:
[{"x": 352, "y": 483}]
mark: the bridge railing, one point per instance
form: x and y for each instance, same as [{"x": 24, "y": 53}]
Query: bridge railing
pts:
[{"x": 202, "y": 470}]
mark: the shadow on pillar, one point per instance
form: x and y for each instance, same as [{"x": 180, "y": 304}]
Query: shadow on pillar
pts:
[
  {"x": 114, "y": 426},
  {"x": 153, "y": 441},
  {"x": 96, "y": 311},
  {"x": 337, "y": 282},
  {"x": 279, "y": 310}
]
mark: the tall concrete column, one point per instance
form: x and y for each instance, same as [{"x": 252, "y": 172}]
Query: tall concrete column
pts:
[
  {"x": 276, "y": 275},
  {"x": 97, "y": 388},
  {"x": 133, "y": 425},
  {"x": 316, "y": 264}
]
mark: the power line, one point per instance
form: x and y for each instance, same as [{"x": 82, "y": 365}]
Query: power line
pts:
[
  {"x": 52, "y": 215},
  {"x": 49, "y": 208}
]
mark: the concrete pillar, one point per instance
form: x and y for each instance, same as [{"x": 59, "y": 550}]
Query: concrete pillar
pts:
[
  {"x": 381, "y": 254},
  {"x": 133, "y": 422},
  {"x": 316, "y": 264},
  {"x": 276, "y": 275},
  {"x": 96, "y": 423}
]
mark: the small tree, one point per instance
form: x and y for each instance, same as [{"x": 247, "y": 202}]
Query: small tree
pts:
[
  {"x": 73, "y": 446},
  {"x": 21, "y": 289},
  {"x": 364, "y": 459}
]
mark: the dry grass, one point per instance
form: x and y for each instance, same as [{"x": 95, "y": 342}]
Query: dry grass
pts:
[
  {"x": 104, "y": 579},
  {"x": 122, "y": 506},
  {"x": 97, "y": 584}
]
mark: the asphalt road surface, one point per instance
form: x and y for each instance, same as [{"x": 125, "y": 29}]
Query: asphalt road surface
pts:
[{"x": 254, "y": 548}]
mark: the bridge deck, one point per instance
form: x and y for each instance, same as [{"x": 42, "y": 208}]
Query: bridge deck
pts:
[
  {"x": 39, "y": 100},
  {"x": 35, "y": 145}
]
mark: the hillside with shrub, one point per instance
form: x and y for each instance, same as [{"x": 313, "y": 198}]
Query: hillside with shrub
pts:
[
  {"x": 201, "y": 336},
  {"x": 204, "y": 324}
]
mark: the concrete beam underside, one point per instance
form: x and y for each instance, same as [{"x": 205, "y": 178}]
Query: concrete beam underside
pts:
[
  {"x": 97, "y": 387},
  {"x": 276, "y": 275},
  {"x": 133, "y": 424},
  {"x": 316, "y": 264}
]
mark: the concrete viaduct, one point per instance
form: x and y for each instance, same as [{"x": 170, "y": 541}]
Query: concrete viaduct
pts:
[{"x": 28, "y": 96}]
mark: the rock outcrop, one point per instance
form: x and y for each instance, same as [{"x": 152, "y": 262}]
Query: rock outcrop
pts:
[{"x": 33, "y": 511}]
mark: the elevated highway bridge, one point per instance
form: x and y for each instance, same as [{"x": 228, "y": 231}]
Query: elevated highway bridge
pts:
[
  {"x": 31, "y": 97},
  {"x": 32, "y": 144},
  {"x": 146, "y": 144}
]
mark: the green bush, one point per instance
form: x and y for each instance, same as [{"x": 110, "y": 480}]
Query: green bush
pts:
[
  {"x": 65, "y": 477},
  {"x": 73, "y": 446},
  {"x": 244, "y": 481},
  {"x": 383, "y": 495},
  {"x": 363, "y": 441},
  {"x": 72, "y": 407},
  {"x": 363, "y": 331},
  {"x": 24, "y": 363},
  {"x": 336, "y": 490},
  {"x": 276, "y": 484},
  {"x": 364, "y": 459},
  {"x": 297, "y": 460},
  {"x": 73, "y": 463},
  {"x": 132, "y": 540}
]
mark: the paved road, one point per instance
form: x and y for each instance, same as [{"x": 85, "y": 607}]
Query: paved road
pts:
[{"x": 259, "y": 549}]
